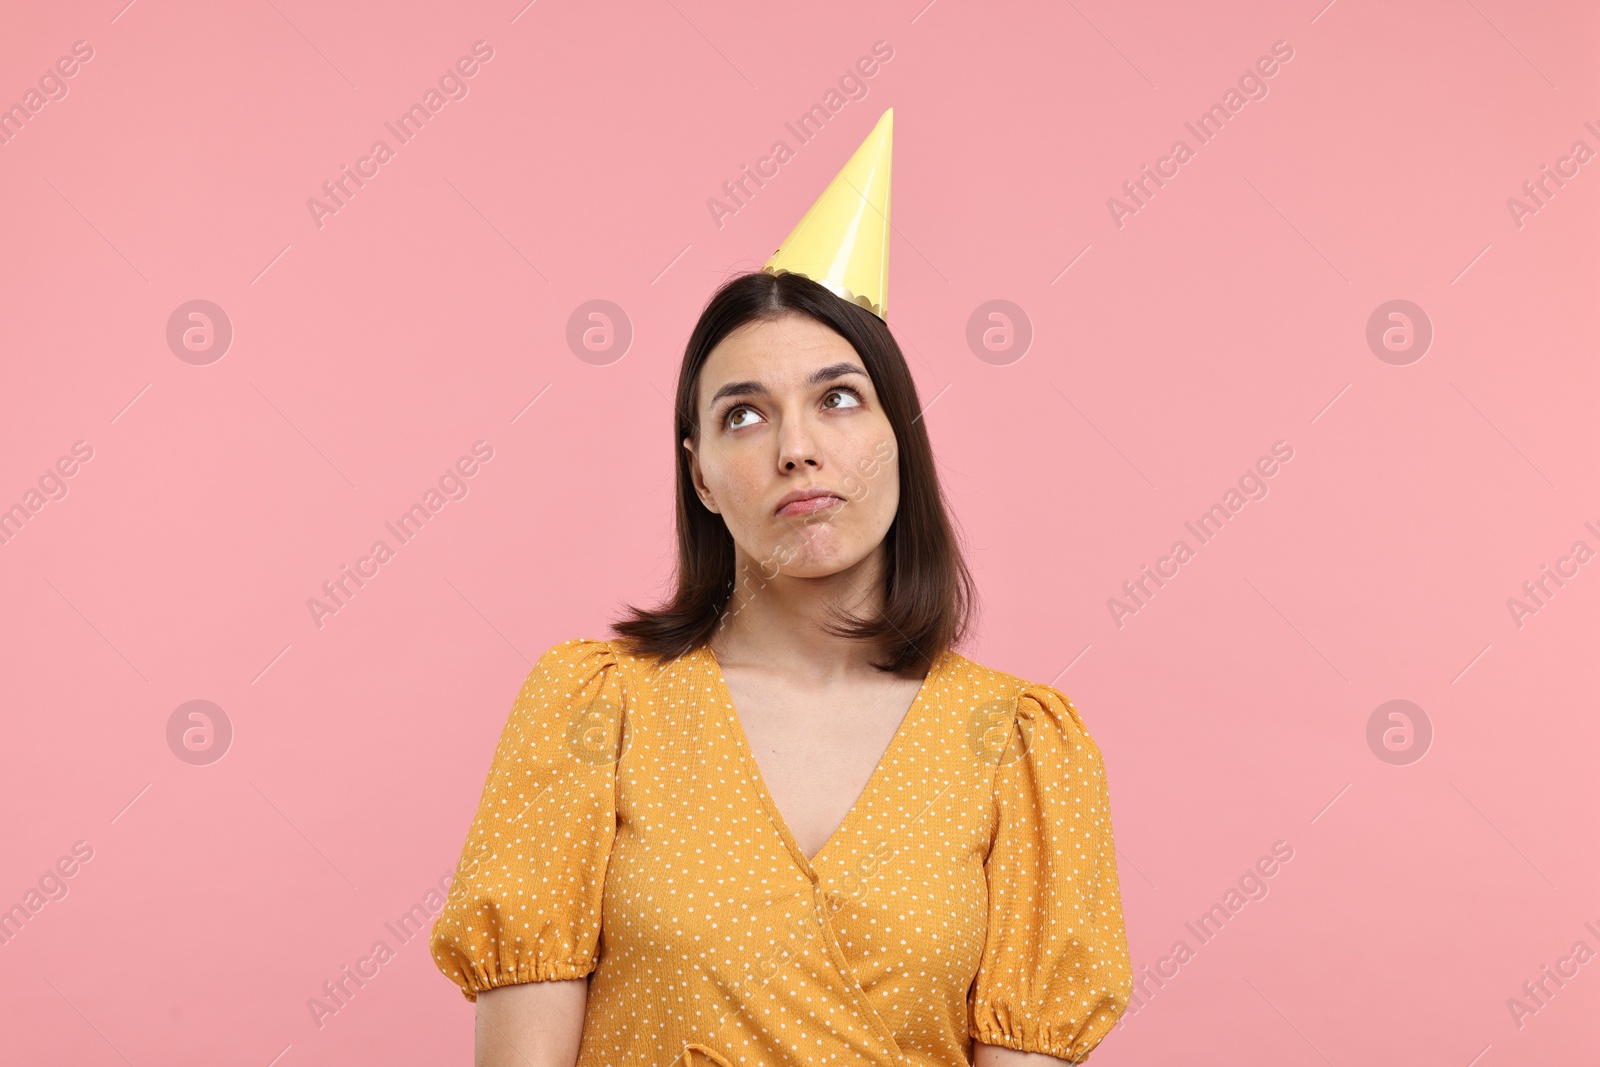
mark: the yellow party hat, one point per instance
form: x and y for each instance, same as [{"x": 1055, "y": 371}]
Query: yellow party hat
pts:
[{"x": 843, "y": 241}]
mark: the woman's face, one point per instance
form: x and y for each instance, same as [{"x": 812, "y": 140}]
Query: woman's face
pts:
[{"x": 786, "y": 405}]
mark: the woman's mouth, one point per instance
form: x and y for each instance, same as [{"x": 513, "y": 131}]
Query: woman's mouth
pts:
[{"x": 805, "y": 507}]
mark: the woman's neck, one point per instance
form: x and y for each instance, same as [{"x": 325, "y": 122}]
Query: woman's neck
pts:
[{"x": 778, "y": 621}]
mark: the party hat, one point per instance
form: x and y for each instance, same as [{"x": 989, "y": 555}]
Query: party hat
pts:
[{"x": 843, "y": 241}]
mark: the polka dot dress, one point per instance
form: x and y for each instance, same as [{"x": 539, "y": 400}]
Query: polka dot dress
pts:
[{"x": 625, "y": 834}]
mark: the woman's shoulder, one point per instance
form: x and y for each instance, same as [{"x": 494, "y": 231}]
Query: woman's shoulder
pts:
[
  {"x": 578, "y": 657},
  {"x": 572, "y": 666},
  {"x": 575, "y": 651},
  {"x": 986, "y": 680},
  {"x": 990, "y": 686}
]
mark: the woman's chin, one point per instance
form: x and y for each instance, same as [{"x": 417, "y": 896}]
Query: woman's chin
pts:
[{"x": 824, "y": 563}]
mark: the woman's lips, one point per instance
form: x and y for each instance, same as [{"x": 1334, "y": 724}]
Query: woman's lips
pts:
[{"x": 816, "y": 503}]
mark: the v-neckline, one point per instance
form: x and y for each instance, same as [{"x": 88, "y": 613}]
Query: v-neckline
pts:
[{"x": 747, "y": 754}]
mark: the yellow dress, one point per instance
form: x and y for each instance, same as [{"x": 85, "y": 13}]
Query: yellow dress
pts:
[{"x": 625, "y": 833}]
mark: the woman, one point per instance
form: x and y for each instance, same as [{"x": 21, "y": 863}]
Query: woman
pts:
[{"x": 780, "y": 820}]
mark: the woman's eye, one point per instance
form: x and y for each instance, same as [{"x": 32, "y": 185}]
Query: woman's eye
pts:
[
  {"x": 845, "y": 391},
  {"x": 740, "y": 415}
]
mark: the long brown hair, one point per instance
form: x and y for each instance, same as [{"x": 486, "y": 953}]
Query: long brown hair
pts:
[{"x": 929, "y": 596}]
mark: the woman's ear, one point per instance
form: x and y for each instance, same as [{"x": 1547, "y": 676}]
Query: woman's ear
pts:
[{"x": 696, "y": 480}]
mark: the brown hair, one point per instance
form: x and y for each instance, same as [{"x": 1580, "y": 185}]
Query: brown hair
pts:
[{"x": 929, "y": 595}]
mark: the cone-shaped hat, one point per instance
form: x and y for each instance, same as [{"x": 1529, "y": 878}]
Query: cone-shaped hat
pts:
[{"x": 843, "y": 241}]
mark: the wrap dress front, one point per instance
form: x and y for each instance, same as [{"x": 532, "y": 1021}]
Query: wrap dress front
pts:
[{"x": 625, "y": 834}]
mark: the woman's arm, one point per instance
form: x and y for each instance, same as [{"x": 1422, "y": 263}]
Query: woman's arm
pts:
[
  {"x": 999, "y": 1056},
  {"x": 531, "y": 1024}
]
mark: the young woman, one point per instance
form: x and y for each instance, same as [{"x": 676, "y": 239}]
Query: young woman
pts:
[{"x": 779, "y": 820}]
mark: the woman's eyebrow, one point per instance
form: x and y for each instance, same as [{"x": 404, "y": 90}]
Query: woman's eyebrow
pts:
[{"x": 821, "y": 375}]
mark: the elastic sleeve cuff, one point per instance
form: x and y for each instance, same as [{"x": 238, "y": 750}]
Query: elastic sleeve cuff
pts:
[
  {"x": 1071, "y": 1039},
  {"x": 1024, "y": 1040},
  {"x": 476, "y": 982}
]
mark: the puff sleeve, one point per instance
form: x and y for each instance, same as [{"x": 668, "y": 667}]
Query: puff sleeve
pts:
[
  {"x": 1054, "y": 976},
  {"x": 525, "y": 902}
]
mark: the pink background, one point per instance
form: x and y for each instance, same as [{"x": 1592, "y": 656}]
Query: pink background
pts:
[{"x": 1228, "y": 313}]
